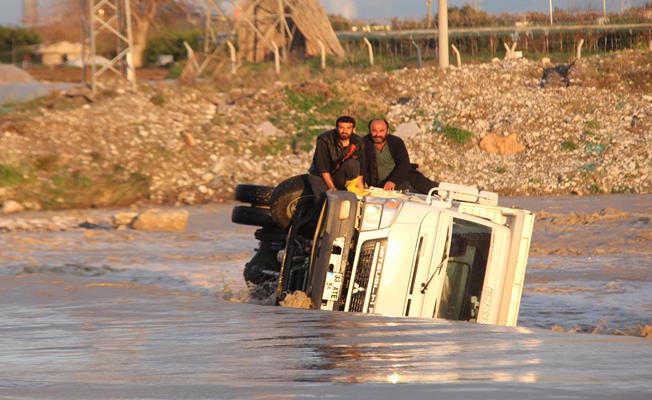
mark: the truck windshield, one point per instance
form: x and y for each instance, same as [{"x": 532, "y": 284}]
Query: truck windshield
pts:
[{"x": 465, "y": 271}]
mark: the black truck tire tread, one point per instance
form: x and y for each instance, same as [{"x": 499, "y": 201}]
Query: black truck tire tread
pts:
[
  {"x": 254, "y": 216},
  {"x": 284, "y": 199},
  {"x": 254, "y": 194}
]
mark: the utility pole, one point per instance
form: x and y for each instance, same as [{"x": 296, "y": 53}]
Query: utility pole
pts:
[
  {"x": 110, "y": 18},
  {"x": 30, "y": 14},
  {"x": 443, "y": 33},
  {"x": 604, "y": 9},
  {"x": 429, "y": 20},
  {"x": 550, "y": 10}
]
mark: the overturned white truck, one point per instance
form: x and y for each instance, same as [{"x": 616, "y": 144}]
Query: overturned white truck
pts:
[{"x": 452, "y": 254}]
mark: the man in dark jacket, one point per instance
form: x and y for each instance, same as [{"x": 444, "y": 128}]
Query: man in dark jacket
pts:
[
  {"x": 387, "y": 163},
  {"x": 337, "y": 161}
]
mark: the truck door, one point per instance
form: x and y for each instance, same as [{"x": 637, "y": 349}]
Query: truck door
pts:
[
  {"x": 462, "y": 282},
  {"x": 430, "y": 248}
]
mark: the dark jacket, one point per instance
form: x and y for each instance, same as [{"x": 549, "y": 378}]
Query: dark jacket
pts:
[
  {"x": 329, "y": 155},
  {"x": 399, "y": 153}
]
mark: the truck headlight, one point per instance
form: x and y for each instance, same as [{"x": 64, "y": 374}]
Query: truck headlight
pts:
[
  {"x": 379, "y": 213},
  {"x": 371, "y": 216}
]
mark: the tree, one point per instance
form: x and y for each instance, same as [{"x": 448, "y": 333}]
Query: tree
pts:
[{"x": 143, "y": 15}]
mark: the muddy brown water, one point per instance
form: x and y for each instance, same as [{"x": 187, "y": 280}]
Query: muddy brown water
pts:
[{"x": 125, "y": 314}]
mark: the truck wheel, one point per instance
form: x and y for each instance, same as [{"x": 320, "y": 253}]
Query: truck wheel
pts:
[
  {"x": 255, "y": 216},
  {"x": 254, "y": 194},
  {"x": 285, "y": 198}
]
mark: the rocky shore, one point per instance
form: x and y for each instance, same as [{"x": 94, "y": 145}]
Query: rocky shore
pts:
[{"x": 490, "y": 125}]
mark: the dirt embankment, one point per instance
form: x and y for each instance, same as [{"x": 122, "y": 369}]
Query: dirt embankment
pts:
[{"x": 186, "y": 144}]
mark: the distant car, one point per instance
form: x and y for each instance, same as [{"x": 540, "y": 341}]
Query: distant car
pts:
[{"x": 452, "y": 254}]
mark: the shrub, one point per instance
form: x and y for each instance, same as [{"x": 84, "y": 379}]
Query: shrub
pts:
[
  {"x": 592, "y": 124},
  {"x": 10, "y": 175},
  {"x": 171, "y": 42},
  {"x": 568, "y": 145},
  {"x": 157, "y": 99},
  {"x": 457, "y": 135}
]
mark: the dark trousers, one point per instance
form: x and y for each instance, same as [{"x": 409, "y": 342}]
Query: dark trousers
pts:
[
  {"x": 350, "y": 169},
  {"x": 416, "y": 183}
]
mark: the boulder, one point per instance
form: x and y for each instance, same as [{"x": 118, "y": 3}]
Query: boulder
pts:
[
  {"x": 124, "y": 218},
  {"x": 162, "y": 221},
  {"x": 407, "y": 130},
  {"x": 268, "y": 129},
  {"x": 10, "y": 207},
  {"x": 499, "y": 144}
]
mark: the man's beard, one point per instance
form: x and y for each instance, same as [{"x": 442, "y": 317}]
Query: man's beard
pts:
[
  {"x": 378, "y": 140},
  {"x": 344, "y": 136}
]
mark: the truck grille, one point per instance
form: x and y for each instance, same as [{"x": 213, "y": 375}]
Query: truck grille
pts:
[{"x": 363, "y": 273}]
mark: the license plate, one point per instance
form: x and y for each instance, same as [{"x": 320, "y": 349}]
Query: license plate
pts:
[{"x": 332, "y": 286}]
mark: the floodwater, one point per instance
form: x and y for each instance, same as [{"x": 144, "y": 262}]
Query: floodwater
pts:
[
  {"x": 21, "y": 92},
  {"x": 128, "y": 314}
]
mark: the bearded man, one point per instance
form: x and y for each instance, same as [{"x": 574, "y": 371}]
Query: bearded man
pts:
[
  {"x": 387, "y": 163},
  {"x": 337, "y": 161}
]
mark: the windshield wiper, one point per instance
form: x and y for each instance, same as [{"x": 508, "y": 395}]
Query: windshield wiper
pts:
[{"x": 424, "y": 286}]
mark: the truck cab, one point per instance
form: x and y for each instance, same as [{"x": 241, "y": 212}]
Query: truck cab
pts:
[{"x": 452, "y": 254}]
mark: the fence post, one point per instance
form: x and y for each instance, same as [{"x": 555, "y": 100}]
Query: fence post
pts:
[
  {"x": 323, "y": 54},
  {"x": 419, "y": 63},
  {"x": 578, "y": 54},
  {"x": 371, "y": 51},
  {"x": 508, "y": 51},
  {"x": 277, "y": 58},
  {"x": 458, "y": 57},
  {"x": 234, "y": 63}
]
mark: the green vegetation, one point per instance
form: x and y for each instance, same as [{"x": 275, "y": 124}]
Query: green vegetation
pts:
[
  {"x": 10, "y": 175},
  {"x": 595, "y": 148},
  {"x": 592, "y": 124},
  {"x": 175, "y": 71},
  {"x": 594, "y": 189},
  {"x": 588, "y": 167},
  {"x": 569, "y": 145},
  {"x": 501, "y": 170},
  {"x": 314, "y": 109},
  {"x": 46, "y": 162},
  {"x": 171, "y": 42},
  {"x": 622, "y": 189},
  {"x": 76, "y": 190},
  {"x": 157, "y": 99},
  {"x": 15, "y": 42},
  {"x": 456, "y": 135}
]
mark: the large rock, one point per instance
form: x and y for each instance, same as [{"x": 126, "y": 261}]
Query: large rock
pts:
[
  {"x": 499, "y": 144},
  {"x": 162, "y": 221},
  {"x": 407, "y": 130},
  {"x": 124, "y": 218},
  {"x": 268, "y": 129},
  {"x": 10, "y": 207}
]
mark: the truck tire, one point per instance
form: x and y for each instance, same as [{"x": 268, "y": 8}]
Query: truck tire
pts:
[
  {"x": 285, "y": 197},
  {"x": 255, "y": 216},
  {"x": 254, "y": 194}
]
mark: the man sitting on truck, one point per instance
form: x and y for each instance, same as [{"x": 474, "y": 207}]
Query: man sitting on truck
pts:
[
  {"x": 387, "y": 163},
  {"x": 337, "y": 161}
]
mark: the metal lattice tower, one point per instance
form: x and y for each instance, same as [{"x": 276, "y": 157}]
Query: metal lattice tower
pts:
[
  {"x": 264, "y": 19},
  {"x": 217, "y": 26},
  {"x": 112, "y": 19}
]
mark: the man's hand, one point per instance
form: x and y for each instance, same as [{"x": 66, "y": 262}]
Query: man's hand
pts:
[
  {"x": 389, "y": 185},
  {"x": 333, "y": 189}
]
